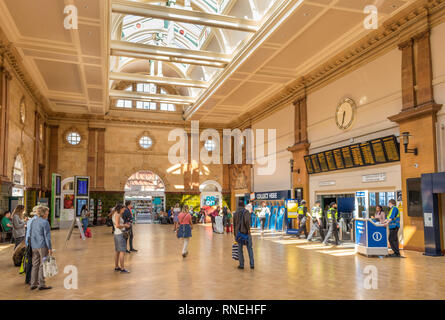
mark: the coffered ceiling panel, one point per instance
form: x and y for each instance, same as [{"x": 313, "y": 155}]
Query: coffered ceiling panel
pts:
[
  {"x": 227, "y": 87},
  {"x": 294, "y": 24},
  {"x": 93, "y": 75},
  {"x": 385, "y": 7},
  {"x": 66, "y": 79},
  {"x": 245, "y": 93},
  {"x": 90, "y": 40},
  {"x": 256, "y": 59},
  {"x": 42, "y": 19},
  {"x": 316, "y": 38},
  {"x": 88, "y": 8}
]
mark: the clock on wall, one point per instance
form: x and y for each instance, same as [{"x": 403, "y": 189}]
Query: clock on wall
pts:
[{"x": 345, "y": 113}]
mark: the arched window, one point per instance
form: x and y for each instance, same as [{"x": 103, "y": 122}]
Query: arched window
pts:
[{"x": 18, "y": 171}]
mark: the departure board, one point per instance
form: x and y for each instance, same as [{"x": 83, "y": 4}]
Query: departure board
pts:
[
  {"x": 379, "y": 153},
  {"x": 322, "y": 161},
  {"x": 367, "y": 153},
  {"x": 330, "y": 160},
  {"x": 315, "y": 163},
  {"x": 309, "y": 167},
  {"x": 392, "y": 148},
  {"x": 346, "y": 152},
  {"x": 339, "y": 163},
  {"x": 357, "y": 155}
]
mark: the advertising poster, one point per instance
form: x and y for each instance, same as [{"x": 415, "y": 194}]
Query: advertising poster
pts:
[{"x": 292, "y": 209}]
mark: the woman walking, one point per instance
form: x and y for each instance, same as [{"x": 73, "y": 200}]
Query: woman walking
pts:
[
  {"x": 185, "y": 229},
  {"x": 176, "y": 212},
  {"x": 84, "y": 217},
  {"x": 120, "y": 243},
  {"x": 18, "y": 225},
  {"x": 40, "y": 241}
]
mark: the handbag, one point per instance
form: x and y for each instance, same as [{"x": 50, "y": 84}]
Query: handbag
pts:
[
  {"x": 126, "y": 234},
  {"x": 235, "y": 251},
  {"x": 49, "y": 267}
]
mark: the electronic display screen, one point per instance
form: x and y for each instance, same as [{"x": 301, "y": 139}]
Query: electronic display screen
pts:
[
  {"x": 346, "y": 152},
  {"x": 82, "y": 187},
  {"x": 330, "y": 160},
  {"x": 367, "y": 153},
  {"x": 308, "y": 162},
  {"x": 357, "y": 155},
  {"x": 58, "y": 185},
  {"x": 339, "y": 163},
  {"x": 315, "y": 163},
  {"x": 322, "y": 161},
  {"x": 391, "y": 148},
  {"x": 79, "y": 204},
  {"x": 379, "y": 153},
  {"x": 57, "y": 207},
  {"x": 368, "y": 157}
]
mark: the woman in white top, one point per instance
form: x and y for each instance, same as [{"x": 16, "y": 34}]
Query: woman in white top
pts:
[
  {"x": 120, "y": 242},
  {"x": 262, "y": 215},
  {"x": 176, "y": 212}
]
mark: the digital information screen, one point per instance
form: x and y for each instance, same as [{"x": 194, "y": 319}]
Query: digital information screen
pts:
[
  {"x": 357, "y": 156},
  {"x": 367, "y": 153},
  {"x": 57, "y": 207},
  {"x": 315, "y": 163},
  {"x": 330, "y": 160},
  {"x": 79, "y": 204},
  {"x": 392, "y": 148},
  {"x": 346, "y": 152},
  {"x": 58, "y": 186},
  {"x": 379, "y": 153},
  {"x": 339, "y": 163},
  {"x": 307, "y": 160},
  {"x": 372, "y": 152},
  {"x": 323, "y": 164},
  {"x": 82, "y": 187}
]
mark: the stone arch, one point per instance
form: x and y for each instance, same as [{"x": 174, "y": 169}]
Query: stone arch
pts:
[{"x": 130, "y": 172}]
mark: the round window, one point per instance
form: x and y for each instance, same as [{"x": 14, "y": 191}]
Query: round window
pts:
[
  {"x": 145, "y": 142},
  {"x": 73, "y": 138},
  {"x": 210, "y": 145}
]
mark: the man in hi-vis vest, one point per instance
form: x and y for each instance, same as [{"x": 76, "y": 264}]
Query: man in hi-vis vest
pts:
[
  {"x": 317, "y": 216},
  {"x": 332, "y": 216},
  {"x": 393, "y": 221}
]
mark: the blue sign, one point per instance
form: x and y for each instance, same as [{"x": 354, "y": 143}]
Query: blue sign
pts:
[
  {"x": 360, "y": 194},
  {"x": 211, "y": 201},
  {"x": 360, "y": 233},
  {"x": 273, "y": 195},
  {"x": 82, "y": 187},
  {"x": 376, "y": 236}
]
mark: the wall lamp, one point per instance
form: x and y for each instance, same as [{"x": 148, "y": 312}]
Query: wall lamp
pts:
[{"x": 405, "y": 141}]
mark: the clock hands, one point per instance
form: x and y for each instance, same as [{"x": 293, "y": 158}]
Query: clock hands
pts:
[{"x": 343, "y": 120}]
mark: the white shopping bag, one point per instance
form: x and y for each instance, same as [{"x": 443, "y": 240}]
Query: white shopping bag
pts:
[{"x": 49, "y": 267}]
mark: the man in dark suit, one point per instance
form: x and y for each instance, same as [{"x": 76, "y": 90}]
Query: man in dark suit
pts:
[
  {"x": 128, "y": 218},
  {"x": 241, "y": 222}
]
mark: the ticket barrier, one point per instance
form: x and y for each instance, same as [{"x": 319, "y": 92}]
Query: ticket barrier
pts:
[
  {"x": 273, "y": 218},
  {"x": 371, "y": 238},
  {"x": 280, "y": 219}
]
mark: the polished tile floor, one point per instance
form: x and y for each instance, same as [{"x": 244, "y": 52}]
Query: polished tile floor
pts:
[{"x": 286, "y": 268}]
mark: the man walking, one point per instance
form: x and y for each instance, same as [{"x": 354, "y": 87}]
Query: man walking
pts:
[
  {"x": 393, "y": 221},
  {"x": 128, "y": 219},
  {"x": 263, "y": 214},
  {"x": 317, "y": 215},
  {"x": 302, "y": 218},
  {"x": 241, "y": 221},
  {"x": 332, "y": 216}
]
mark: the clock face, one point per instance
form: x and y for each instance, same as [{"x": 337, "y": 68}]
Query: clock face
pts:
[{"x": 345, "y": 114}]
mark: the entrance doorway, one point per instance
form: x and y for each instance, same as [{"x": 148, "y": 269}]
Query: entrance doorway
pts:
[{"x": 146, "y": 191}]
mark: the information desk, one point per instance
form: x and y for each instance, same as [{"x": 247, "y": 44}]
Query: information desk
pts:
[{"x": 371, "y": 239}]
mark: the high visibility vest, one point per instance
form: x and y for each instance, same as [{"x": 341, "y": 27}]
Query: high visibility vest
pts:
[
  {"x": 300, "y": 210},
  {"x": 316, "y": 212},
  {"x": 332, "y": 213},
  {"x": 395, "y": 222}
]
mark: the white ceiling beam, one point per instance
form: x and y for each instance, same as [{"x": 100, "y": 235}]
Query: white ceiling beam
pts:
[
  {"x": 128, "y": 49},
  {"x": 182, "y": 15},
  {"x": 142, "y": 78},
  {"x": 142, "y": 96}
]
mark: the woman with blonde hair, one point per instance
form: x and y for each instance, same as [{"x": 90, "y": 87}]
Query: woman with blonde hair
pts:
[{"x": 18, "y": 225}]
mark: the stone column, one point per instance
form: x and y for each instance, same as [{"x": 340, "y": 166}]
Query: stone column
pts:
[
  {"x": 100, "y": 181},
  {"x": 418, "y": 117},
  {"x": 36, "y": 155},
  {"x": 53, "y": 150},
  {"x": 4, "y": 121},
  {"x": 91, "y": 157}
]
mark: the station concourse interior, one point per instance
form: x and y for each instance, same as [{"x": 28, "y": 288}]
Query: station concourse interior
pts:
[{"x": 207, "y": 103}]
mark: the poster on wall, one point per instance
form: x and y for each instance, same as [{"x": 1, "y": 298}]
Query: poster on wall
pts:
[
  {"x": 292, "y": 209},
  {"x": 68, "y": 201}
]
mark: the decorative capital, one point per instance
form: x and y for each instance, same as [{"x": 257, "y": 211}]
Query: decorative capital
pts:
[{"x": 405, "y": 44}]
